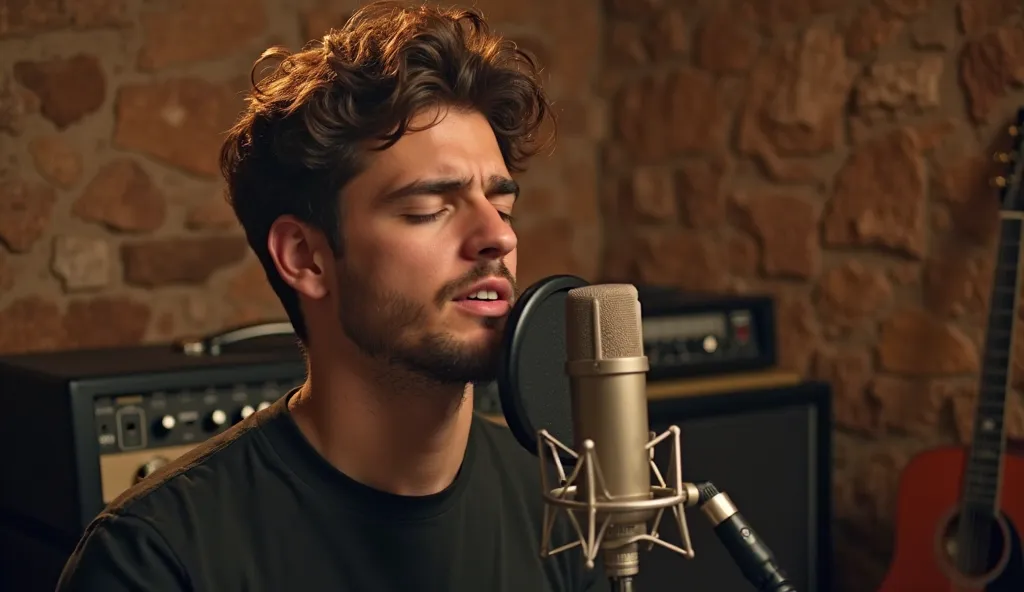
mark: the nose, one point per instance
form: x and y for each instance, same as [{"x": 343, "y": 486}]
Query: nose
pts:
[{"x": 491, "y": 237}]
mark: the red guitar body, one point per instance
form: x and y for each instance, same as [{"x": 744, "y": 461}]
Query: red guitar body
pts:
[{"x": 927, "y": 503}]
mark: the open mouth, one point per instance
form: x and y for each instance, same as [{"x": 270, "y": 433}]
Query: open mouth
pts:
[
  {"x": 483, "y": 295},
  {"x": 489, "y": 298}
]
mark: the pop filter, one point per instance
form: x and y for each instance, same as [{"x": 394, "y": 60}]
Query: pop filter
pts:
[{"x": 533, "y": 386}]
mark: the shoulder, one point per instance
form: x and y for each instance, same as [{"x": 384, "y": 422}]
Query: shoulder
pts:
[
  {"x": 121, "y": 552},
  {"x": 150, "y": 533},
  {"x": 193, "y": 473},
  {"x": 203, "y": 496}
]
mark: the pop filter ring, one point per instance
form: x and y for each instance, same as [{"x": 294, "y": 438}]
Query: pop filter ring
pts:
[{"x": 513, "y": 341}]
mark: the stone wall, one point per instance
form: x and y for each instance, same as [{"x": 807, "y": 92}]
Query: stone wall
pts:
[
  {"x": 113, "y": 227},
  {"x": 835, "y": 153}
]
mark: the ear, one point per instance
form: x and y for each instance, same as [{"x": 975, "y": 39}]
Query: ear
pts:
[{"x": 298, "y": 252}]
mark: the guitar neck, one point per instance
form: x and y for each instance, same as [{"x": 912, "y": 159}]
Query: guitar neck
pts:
[{"x": 983, "y": 474}]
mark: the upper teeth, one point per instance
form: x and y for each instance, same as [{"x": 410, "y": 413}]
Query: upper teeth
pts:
[{"x": 484, "y": 295}]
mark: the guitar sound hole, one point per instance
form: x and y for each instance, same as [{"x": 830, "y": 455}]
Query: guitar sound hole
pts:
[{"x": 973, "y": 544}]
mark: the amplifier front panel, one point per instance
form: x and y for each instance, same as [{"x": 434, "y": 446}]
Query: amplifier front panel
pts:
[{"x": 139, "y": 433}]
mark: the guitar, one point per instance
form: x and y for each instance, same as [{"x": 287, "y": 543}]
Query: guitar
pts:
[{"x": 960, "y": 512}]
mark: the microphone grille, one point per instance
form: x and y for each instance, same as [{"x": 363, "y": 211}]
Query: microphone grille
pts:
[{"x": 618, "y": 333}]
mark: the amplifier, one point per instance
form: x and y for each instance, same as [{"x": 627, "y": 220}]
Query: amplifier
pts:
[
  {"x": 80, "y": 427},
  {"x": 688, "y": 335}
]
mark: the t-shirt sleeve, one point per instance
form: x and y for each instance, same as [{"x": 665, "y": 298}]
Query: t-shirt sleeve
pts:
[{"x": 122, "y": 553}]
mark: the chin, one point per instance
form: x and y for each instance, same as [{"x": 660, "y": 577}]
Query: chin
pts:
[
  {"x": 485, "y": 333},
  {"x": 481, "y": 337}
]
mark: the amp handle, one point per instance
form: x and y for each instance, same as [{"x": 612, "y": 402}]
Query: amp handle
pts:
[{"x": 212, "y": 345}]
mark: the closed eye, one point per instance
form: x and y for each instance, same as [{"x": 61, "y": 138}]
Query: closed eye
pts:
[
  {"x": 427, "y": 218},
  {"x": 424, "y": 218},
  {"x": 499, "y": 190}
]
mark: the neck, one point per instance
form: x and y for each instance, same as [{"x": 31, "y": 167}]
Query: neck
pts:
[{"x": 385, "y": 428}]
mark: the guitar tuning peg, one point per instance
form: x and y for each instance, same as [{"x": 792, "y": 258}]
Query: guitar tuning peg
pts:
[
  {"x": 999, "y": 182},
  {"x": 1002, "y": 157}
]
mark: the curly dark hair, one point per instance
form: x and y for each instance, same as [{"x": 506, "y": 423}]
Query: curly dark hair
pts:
[{"x": 309, "y": 123}]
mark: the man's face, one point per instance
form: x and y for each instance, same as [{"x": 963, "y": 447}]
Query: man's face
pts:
[{"x": 427, "y": 273}]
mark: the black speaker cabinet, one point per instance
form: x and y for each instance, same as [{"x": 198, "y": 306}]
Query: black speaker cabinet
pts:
[{"x": 770, "y": 450}]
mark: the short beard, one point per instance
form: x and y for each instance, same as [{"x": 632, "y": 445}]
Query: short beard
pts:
[{"x": 376, "y": 321}]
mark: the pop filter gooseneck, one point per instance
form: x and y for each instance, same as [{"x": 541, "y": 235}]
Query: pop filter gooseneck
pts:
[{"x": 533, "y": 386}]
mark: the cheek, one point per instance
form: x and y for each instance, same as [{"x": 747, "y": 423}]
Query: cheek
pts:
[
  {"x": 408, "y": 270},
  {"x": 512, "y": 261}
]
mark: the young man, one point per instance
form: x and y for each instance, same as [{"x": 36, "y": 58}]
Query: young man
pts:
[{"x": 372, "y": 175}]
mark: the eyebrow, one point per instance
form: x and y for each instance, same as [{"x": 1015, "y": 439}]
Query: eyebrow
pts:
[{"x": 496, "y": 185}]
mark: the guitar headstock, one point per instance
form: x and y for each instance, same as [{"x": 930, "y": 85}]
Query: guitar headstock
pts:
[{"x": 1009, "y": 179}]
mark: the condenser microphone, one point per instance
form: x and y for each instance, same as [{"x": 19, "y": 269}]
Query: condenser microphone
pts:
[
  {"x": 611, "y": 486},
  {"x": 591, "y": 336},
  {"x": 607, "y": 380}
]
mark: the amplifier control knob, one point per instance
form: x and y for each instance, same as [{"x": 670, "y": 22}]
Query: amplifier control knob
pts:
[
  {"x": 217, "y": 418},
  {"x": 245, "y": 412},
  {"x": 149, "y": 468},
  {"x": 165, "y": 424}
]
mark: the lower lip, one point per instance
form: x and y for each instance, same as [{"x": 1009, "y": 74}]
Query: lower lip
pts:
[{"x": 484, "y": 308}]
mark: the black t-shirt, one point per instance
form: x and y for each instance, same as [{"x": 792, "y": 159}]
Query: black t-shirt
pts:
[{"x": 258, "y": 509}]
